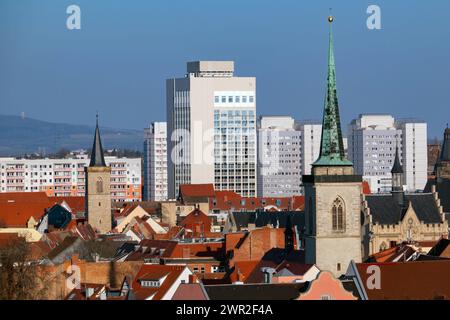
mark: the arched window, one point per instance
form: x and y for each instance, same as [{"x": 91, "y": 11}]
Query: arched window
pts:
[
  {"x": 338, "y": 215},
  {"x": 99, "y": 185}
]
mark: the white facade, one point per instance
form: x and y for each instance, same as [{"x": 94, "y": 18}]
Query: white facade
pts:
[
  {"x": 155, "y": 162},
  {"x": 372, "y": 140},
  {"x": 311, "y": 134},
  {"x": 279, "y": 157},
  {"x": 211, "y": 124},
  {"x": 415, "y": 160},
  {"x": 66, "y": 177}
]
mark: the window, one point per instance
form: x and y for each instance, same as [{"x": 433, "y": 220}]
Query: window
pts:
[
  {"x": 338, "y": 267},
  {"x": 338, "y": 215},
  {"x": 230, "y": 99},
  {"x": 251, "y": 99},
  {"x": 216, "y": 99},
  {"x": 99, "y": 185}
]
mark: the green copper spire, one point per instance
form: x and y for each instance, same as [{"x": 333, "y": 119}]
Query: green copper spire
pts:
[{"x": 331, "y": 145}]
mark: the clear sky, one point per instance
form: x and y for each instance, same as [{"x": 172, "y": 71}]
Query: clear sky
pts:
[{"x": 119, "y": 60}]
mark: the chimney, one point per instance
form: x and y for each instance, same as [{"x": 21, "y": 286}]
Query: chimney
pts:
[
  {"x": 268, "y": 274},
  {"x": 193, "y": 278}
]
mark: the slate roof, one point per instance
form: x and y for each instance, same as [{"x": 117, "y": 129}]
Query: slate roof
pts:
[
  {"x": 97, "y": 158},
  {"x": 385, "y": 210},
  {"x": 441, "y": 249},
  {"x": 443, "y": 189},
  {"x": 284, "y": 291},
  {"x": 263, "y": 218}
]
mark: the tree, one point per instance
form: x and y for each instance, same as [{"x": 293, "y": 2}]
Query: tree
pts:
[{"x": 19, "y": 276}]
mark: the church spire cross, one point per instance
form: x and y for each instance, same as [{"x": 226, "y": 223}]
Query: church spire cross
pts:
[{"x": 331, "y": 145}]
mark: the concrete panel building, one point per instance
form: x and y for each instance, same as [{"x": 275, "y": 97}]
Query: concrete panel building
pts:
[
  {"x": 372, "y": 139},
  {"x": 66, "y": 177},
  {"x": 155, "y": 162},
  {"x": 211, "y": 128},
  {"x": 279, "y": 157}
]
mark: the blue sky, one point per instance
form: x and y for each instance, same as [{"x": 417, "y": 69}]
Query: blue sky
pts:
[{"x": 118, "y": 62}]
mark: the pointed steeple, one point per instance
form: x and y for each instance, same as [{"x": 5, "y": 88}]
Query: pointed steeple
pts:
[
  {"x": 397, "y": 167},
  {"x": 97, "y": 158},
  {"x": 331, "y": 145},
  {"x": 445, "y": 153}
]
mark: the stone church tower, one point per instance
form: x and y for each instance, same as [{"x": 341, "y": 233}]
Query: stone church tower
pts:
[
  {"x": 98, "y": 195},
  {"x": 332, "y": 192}
]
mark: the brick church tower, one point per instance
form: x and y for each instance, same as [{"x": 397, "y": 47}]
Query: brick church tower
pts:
[{"x": 98, "y": 195}]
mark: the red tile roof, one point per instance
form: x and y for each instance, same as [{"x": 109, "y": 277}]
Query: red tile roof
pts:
[
  {"x": 417, "y": 280},
  {"x": 76, "y": 204},
  {"x": 198, "y": 222},
  {"x": 155, "y": 272},
  {"x": 228, "y": 200},
  {"x": 18, "y": 207},
  {"x": 196, "y": 250},
  {"x": 197, "y": 190},
  {"x": 189, "y": 291}
]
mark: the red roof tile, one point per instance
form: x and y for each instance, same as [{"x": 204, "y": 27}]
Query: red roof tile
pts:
[
  {"x": 18, "y": 207},
  {"x": 155, "y": 272},
  {"x": 422, "y": 280}
]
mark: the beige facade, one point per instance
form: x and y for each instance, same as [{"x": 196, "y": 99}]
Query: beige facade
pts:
[
  {"x": 98, "y": 198},
  {"x": 171, "y": 209},
  {"x": 331, "y": 243},
  {"x": 201, "y": 109},
  {"x": 380, "y": 236}
]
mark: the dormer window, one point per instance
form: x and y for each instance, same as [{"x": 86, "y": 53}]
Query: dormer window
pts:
[{"x": 150, "y": 283}]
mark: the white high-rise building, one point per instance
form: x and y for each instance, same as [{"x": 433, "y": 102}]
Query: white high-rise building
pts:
[
  {"x": 66, "y": 177},
  {"x": 311, "y": 134},
  {"x": 372, "y": 140},
  {"x": 415, "y": 154},
  {"x": 211, "y": 128},
  {"x": 155, "y": 162},
  {"x": 279, "y": 157}
]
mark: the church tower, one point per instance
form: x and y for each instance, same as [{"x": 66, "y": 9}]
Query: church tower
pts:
[
  {"x": 442, "y": 168},
  {"x": 98, "y": 196},
  {"x": 397, "y": 180},
  {"x": 332, "y": 192}
]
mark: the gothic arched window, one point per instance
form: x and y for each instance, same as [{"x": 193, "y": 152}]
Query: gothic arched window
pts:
[
  {"x": 338, "y": 215},
  {"x": 99, "y": 185}
]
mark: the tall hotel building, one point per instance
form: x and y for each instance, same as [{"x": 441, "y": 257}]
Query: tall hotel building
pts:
[
  {"x": 66, "y": 177},
  {"x": 211, "y": 128},
  {"x": 372, "y": 140},
  {"x": 155, "y": 162}
]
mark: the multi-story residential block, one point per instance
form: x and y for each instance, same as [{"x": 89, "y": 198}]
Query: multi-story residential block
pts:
[
  {"x": 155, "y": 162},
  {"x": 372, "y": 140},
  {"x": 279, "y": 157},
  {"x": 311, "y": 134},
  {"x": 66, "y": 177},
  {"x": 211, "y": 128}
]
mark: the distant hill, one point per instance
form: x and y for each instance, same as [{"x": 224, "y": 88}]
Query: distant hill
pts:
[{"x": 24, "y": 135}]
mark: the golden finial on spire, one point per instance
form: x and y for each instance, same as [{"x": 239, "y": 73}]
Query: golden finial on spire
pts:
[{"x": 330, "y": 17}]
